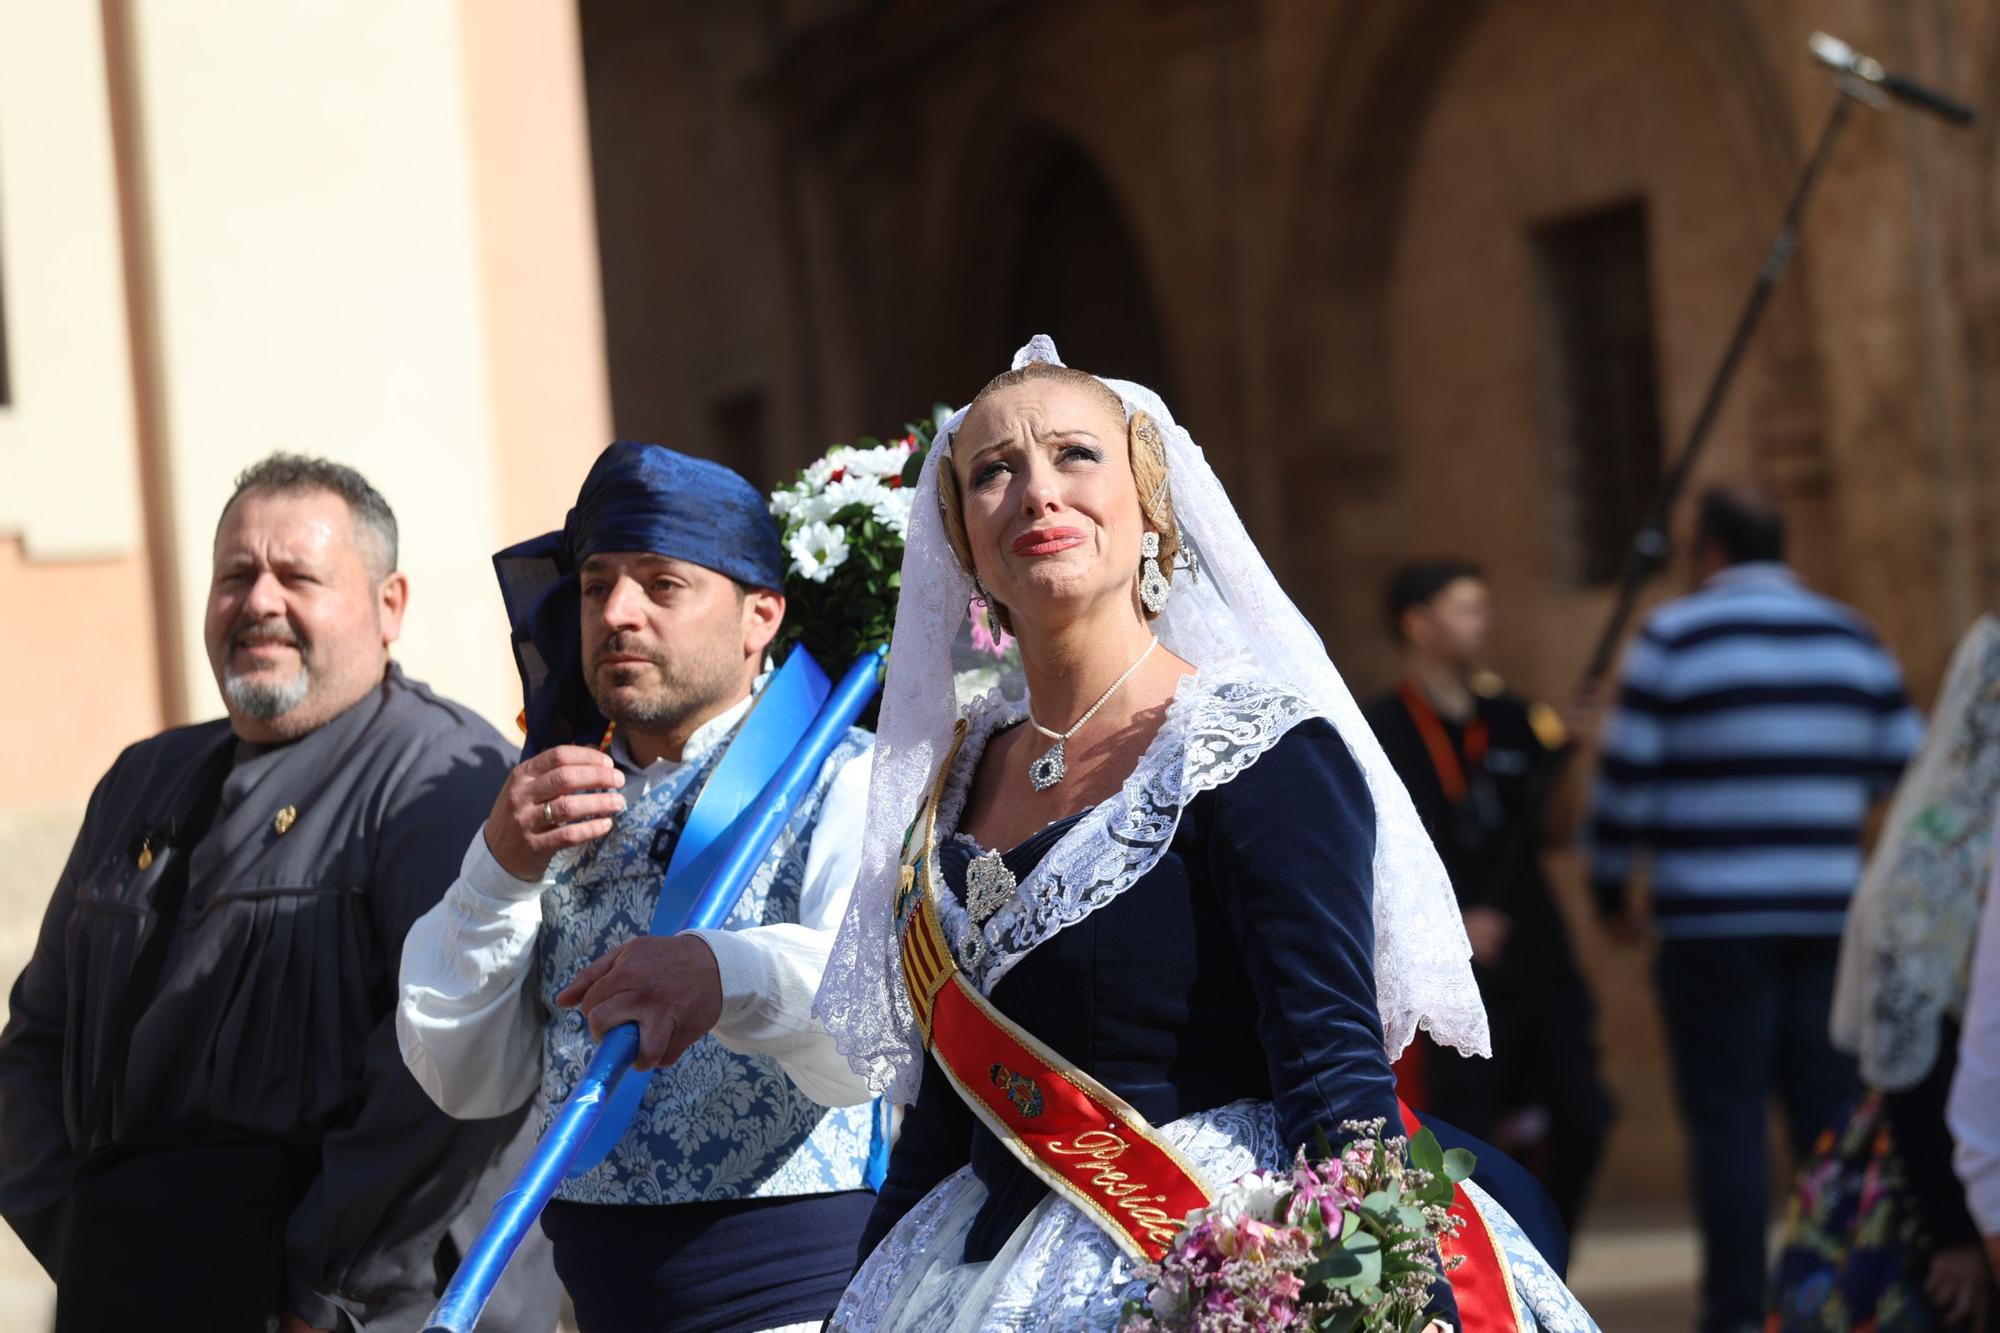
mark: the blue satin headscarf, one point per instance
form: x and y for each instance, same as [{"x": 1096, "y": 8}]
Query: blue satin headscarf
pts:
[{"x": 638, "y": 497}]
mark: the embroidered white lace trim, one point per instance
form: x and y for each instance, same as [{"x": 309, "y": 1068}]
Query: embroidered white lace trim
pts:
[{"x": 1222, "y": 719}]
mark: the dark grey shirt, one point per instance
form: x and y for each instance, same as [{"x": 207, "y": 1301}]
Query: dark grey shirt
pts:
[{"x": 276, "y": 994}]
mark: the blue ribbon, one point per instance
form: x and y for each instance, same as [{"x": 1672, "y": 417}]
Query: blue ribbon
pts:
[{"x": 784, "y": 709}]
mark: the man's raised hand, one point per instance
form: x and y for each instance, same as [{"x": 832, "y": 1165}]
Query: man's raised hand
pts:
[{"x": 562, "y": 797}]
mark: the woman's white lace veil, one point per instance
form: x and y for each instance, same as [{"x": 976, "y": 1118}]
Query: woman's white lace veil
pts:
[{"x": 1231, "y": 609}]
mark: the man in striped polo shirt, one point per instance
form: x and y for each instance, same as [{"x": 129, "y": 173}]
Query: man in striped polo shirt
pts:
[{"x": 1756, "y": 725}]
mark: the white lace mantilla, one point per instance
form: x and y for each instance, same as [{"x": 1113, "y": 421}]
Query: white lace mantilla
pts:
[
  {"x": 1060, "y": 1271},
  {"x": 1907, "y": 959},
  {"x": 1221, "y": 720},
  {"x": 1234, "y": 612}
]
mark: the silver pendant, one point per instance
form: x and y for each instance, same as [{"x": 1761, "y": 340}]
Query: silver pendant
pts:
[
  {"x": 989, "y": 886},
  {"x": 1047, "y": 771}
]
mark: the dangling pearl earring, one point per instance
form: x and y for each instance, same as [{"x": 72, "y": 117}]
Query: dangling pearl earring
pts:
[{"x": 1154, "y": 590}]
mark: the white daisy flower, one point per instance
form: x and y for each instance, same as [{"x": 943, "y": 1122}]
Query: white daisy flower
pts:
[
  {"x": 817, "y": 549},
  {"x": 884, "y": 461},
  {"x": 786, "y": 502},
  {"x": 849, "y": 490},
  {"x": 892, "y": 511}
]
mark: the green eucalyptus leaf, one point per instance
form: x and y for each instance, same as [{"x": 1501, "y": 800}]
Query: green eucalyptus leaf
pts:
[
  {"x": 1335, "y": 1269},
  {"x": 1425, "y": 1152}
]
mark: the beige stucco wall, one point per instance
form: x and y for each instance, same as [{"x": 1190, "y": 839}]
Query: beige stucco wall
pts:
[
  {"x": 73, "y": 577},
  {"x": 363, "y": 232},
  {"x": 68, "y": 456},
  {"x": 398, "y": 271},
  {"x": 551, "y": 405},
  {"x": 309, "y": 203}
]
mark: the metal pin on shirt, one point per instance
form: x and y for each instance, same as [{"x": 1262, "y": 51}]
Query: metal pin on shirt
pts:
[{"x": 286, "y": 818}]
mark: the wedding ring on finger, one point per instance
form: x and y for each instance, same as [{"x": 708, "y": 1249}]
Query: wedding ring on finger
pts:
[{"x": 549, "y": 814}]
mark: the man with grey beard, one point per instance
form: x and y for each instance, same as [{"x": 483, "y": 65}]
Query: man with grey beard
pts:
[{"x": 204, "y": 1120}]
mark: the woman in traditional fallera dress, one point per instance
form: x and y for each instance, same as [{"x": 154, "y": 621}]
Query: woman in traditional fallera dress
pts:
[{"x": 1217, "y": 913}]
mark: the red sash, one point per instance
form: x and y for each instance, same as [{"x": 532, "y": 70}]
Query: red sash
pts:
[
  {"x": 1077, "y": 1136},
  {"x": 1482, "y": 1284}
]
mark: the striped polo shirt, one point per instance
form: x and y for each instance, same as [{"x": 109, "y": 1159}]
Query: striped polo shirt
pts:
[{"x": 1756, "y": 724}]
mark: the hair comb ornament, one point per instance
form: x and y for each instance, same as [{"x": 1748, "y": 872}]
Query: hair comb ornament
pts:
[{"x": 1040, "y": 348}]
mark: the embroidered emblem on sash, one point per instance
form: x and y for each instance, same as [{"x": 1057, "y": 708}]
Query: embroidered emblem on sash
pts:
[{"x": 1024, "y": 1092}]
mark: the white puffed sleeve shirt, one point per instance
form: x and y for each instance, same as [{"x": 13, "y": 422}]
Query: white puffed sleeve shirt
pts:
[{"x": 469, "y": 1020}]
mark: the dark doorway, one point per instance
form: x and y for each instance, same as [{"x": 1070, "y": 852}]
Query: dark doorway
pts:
[{"x": 1076, "y": 274}]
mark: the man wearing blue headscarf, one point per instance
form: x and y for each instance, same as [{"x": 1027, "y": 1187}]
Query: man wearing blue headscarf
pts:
[{"x": 735, "y": 1198}]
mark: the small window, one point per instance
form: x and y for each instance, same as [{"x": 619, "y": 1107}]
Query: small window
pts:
[{"x": 1596, "y": 312}]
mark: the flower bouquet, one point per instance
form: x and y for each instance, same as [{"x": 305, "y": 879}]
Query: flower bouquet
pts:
[
  {"x": 1347, "y": 1243},
  {"x": 843, "y": 522}
]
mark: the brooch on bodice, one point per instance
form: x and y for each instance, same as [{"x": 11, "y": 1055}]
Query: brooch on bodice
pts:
[{"x": 989, "y": 886}]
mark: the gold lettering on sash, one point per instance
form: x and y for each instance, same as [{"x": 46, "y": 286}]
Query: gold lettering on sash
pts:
[{"x": 1097, "y": 1150}]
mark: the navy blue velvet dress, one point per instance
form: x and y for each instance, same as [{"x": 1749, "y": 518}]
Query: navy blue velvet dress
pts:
[{"x": 1240, "y": 966}]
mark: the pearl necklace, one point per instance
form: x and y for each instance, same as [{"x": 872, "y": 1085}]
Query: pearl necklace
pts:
[{"x": 1050, "y": 769}]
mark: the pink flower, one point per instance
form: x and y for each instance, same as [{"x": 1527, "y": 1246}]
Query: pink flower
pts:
[
  {"x": 1323, "y": 1185},
  {"x": 983, "y": 639}
]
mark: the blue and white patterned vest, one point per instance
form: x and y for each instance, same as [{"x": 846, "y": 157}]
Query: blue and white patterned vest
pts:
[{"x": 715, "y": 1125}]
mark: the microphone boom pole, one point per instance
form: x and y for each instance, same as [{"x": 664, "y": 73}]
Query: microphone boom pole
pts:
[
  {"x": 1861, "y": 79},
  {"x": 1649, "y": 546}
]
